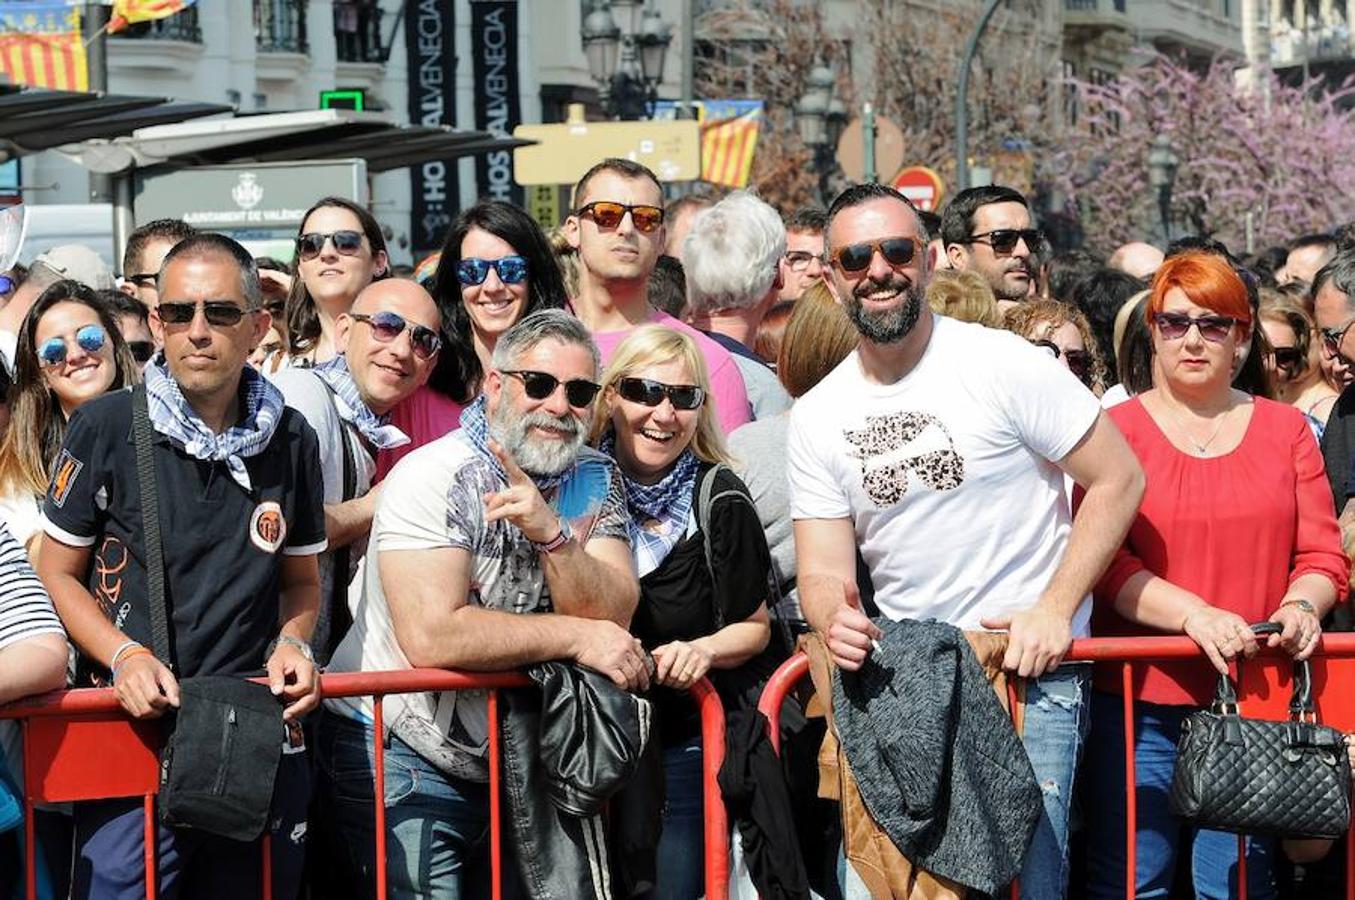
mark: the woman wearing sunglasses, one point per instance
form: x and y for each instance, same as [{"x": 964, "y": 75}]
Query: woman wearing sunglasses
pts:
[
  {"x": 339, "y": 251},
  {"x": 1236, "y": 527},
  {"x": 698, "y": 616},
  {"x": 69, "y": 350},
  {"x": 1063, "y": 332},
  {"x": 1294, "y": 360}
]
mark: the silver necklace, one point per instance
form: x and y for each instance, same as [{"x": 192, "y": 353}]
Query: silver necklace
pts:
[{"x": 1201, "y": 449}]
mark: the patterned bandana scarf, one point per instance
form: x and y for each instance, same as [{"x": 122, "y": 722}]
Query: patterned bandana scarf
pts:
[
  {"x": 475, "y": 423},
  {"x": 353, "y": 410},
  {"x": 173, "y": 417},
  {"x": 658, "y": 512}
]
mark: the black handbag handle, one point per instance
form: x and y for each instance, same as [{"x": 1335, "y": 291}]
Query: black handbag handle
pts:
[{"x": 1300, "y": 701}]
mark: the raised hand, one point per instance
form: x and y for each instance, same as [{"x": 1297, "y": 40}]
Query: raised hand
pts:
[{"x": 521, "y": 504}]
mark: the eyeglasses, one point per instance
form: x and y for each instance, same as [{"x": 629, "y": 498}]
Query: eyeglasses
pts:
[
  {"x": 510, "y": 269},
  {"x": 1332, "y": 338},
  {"x": 799, "y": 260},
  {"x": 1174, "y": 326},
  {"x": 609, "y": 215},
  {"x": 579, "y": 392},
  {"x": 89, "y": 338},
  {"x": 1079, "y": 361},
  {"x": 347, "y": 243},
  {"x": 651, "y": 393},
  {"x": 141, "y": 279},
  {"x": 1287, "y": 357},
  {"x": 276, "y": 308},
  {"x": 142, "y": 351},
  {"x": 1003, "y": 240},
  {"x": 897, "y": 251},
  {"x": 387, "y": 326},
  {"x": 219, "y": 313}
]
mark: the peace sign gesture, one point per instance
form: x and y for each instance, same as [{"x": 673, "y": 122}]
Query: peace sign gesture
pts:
[{"x": 521, "y": 503}]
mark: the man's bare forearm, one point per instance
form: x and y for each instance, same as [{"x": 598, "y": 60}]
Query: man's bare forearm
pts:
[
  {"x": 590, "y": 588},
  {"x": 490, "y": 640},
  {"x": 1102, "y": 521}
]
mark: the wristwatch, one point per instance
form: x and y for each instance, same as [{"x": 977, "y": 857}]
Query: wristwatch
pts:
[
  {"x": 1301, "y": 604},
  {"x": 290, "y": 641},
  {"x": 556, "y": 542}
]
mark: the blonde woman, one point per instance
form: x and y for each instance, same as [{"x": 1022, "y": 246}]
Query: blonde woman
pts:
[
  {"x": 1293, "y": 361},
  {"x": 697, "y": 616},
  {"x": 1063, "y": 330},
  {"x": 964, "y": 296}
]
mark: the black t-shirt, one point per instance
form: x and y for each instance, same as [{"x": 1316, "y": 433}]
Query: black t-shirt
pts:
[
  {"x": 679, "y": 599},
  {"x": 221, "y": 543}
]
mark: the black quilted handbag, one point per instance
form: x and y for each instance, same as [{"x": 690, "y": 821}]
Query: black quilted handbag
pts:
[{"x": 1289, "y": 779}]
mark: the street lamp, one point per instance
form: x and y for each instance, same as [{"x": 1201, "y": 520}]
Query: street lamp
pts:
[
  {"x": 1162, "y": 166},
  {"x": 627, "y": 64},
  {"x": 820, "y": 118}
]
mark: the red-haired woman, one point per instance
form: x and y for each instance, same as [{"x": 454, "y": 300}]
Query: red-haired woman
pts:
[{"x": 1236, "y": 527}]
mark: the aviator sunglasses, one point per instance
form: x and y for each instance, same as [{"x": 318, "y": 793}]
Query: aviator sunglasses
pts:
[
  {"x": 347, "y": 243},
  {"x": 510, "y": 269},
  {"x": 607, "y": 214},
  {"x": 579, "y": 392},
  {"x": 90, "y": 338},
  {"x": 898, "y": 251},
  {"x": 1079, "y": 361},
  {"x": 1174, "y": 326},
  {"x": 221, "y": 313},
  {"x": 651, "y": 393},
  {"x": 387, "y": 326}
]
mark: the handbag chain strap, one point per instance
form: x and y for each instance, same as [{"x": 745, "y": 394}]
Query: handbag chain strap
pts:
[{"x": 150, "y": 520}]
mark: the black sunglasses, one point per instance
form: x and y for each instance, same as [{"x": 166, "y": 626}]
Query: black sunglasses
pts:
[
  {"x": 1003, "y": 240},
  {"x": 897, "y": 251},
  {"x": 221, "y": 313},
  {"x": 1079, "y": 361},
  {"x": 387, "y": 326},
  {"x": 1332, "y": 338},
  {"x": 142, "y": 351},
  {"x": 1287, "y": 357},
  {"x": 651, "y": 393},
  {"x": 309, "y": 245},
  {"x": 141, "y": 279},
  {"x": 579, "y": 392}
]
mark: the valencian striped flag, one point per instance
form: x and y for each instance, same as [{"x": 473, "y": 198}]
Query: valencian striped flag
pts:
[
  {"x": 729, "y": 130},
  {"x": 40, "y": 45},
  {"x": 129, "y": 12}
]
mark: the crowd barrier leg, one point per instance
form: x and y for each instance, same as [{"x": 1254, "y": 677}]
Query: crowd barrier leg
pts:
[
  {"x": 717, "y": 834},
  {"x": 1131, "y": 794},
  {"x": 379, "y": 791},
  {"x": 495, "y": 813}
]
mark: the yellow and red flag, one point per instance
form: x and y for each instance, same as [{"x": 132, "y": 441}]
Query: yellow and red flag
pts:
[
  {"x": 729, "y": 132},
  {"x": 40, "y": 45},
  {"x": 129, "y": 12}
]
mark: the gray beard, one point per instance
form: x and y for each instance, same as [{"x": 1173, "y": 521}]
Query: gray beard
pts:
[
  {"x": 536, "y": 457},
  {"x": 887, "y": 326}
]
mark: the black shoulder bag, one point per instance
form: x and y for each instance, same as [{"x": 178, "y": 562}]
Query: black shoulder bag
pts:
[
  {"x": 1290, "y": 779},
  {"x": 220, "y": 760}
]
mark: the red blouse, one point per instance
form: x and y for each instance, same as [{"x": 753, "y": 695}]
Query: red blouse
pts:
[{"x": 1235, "y": 529}]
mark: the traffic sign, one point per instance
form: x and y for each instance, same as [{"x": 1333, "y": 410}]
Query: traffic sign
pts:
[
  {"x": 564, "y": 152},
  {"x": 922, "y": 186},
  {"x": 851, "y": 149}
]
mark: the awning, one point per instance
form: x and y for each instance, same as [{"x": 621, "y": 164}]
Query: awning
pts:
[{"x": 36, "y": 119}]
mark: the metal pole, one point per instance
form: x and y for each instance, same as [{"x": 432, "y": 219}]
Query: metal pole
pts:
[
  {"x": 688, "y": 111},
  {"x": 93, "y": 27},
  {"x": 122, "y": 214},
  {"x": 868, "y": 134},
  {"x": 962, "y": 98}
]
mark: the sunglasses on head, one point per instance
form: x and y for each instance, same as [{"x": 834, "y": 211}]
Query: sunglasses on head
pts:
[
  {"x": 1079, "y": 361},
  {"x": 609, "y": 215},
  {"x": 510, "y": 269},
  {"x": 898, "y": 251},
  {"x": 1287, "y": 357},
  {"x": 90, "y": 338},
  {"x": 1003, "y": 240},
  {"x": 220, "y": 313},
  {"x": 309, "y": 245},
  {"x": 387, "y": 326},
  {"x": 1174, "y": 326},
  {"x": 648, "y": 392},
  {"x": 142, "y": 351},
  {"x": 579, "y": 392}
]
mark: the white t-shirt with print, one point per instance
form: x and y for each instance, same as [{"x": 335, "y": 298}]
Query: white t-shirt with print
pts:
[{"x": 948, "y": 475}]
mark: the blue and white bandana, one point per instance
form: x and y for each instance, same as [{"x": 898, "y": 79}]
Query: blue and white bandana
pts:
[
  {"x": 172, "y": 416},
  {"x": 475, "y": 423},
  {"x": 353, "y": 410},
  {"x": 658, "y": 512}
]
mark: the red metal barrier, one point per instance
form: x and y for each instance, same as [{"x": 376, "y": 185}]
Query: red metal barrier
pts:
[
  {"x": 63, "y": 731},
  {"x": 1263, "y": 692}
]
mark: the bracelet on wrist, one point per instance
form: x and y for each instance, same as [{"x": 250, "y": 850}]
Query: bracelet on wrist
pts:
[
  {"x": 117, "y": 654},
  {"x": 556, "y": 542},
  {"x": 289, "y": 641},
  {"x": 1302, "y": 604},
  {"x": 136, "y": 651}
]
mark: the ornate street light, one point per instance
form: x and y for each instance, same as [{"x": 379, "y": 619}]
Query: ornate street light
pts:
[
  {"x": 627, "y": 63},
  {"x": 601, "y": 42},
  {"x": 820, "y": 118},
  {"x": 1162, "y": 166}
]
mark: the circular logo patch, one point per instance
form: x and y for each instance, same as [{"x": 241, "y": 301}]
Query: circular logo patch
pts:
[{"x": 267, "y": 527}]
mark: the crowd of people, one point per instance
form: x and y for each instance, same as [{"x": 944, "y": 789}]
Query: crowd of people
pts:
[{"x": 668, "y": 444}]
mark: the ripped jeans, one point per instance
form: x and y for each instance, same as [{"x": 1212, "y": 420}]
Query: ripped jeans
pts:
[{"x": 1057, "y": 716}]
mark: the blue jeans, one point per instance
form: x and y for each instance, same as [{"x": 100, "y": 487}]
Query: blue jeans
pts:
[
  {"x": 681, "y": 869},
  {"x": 436, "y": 826},
  {"x": 1159, "y": 836}
]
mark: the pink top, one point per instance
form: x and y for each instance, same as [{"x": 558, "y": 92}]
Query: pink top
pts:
[
  {"x": 425, "y": 416},
  {"x": 726, "y": 384},
  {"x": 1235, "y": 529}
]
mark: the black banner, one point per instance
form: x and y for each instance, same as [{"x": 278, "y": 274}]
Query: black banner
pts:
[
  {"x": 494, "y": 43},
  {"x": 432, "y": 101}
]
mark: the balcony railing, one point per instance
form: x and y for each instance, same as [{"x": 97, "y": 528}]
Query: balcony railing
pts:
[
  {"x": 357, "y": 31},
  {"x": 182, "y": 26},
  {"x": 1092, "y": 6},
  {"x": 280, "y": 26}
]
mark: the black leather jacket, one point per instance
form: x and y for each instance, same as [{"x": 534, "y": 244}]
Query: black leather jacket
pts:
[{"x": 568, "y": 745}]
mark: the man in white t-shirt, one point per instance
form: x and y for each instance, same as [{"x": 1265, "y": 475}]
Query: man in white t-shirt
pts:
[{"x": 939, "y": 448}]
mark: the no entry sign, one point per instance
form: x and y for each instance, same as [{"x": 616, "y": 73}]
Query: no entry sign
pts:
[{"x": 920, "y": 185}]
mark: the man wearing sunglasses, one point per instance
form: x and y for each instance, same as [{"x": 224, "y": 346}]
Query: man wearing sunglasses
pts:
[
  {"x": 241, "y": 524},
  {"x": 939, "y": 449},
  {"x": 617, "y": 228},
  {"x": 146, "y": 250},
  {"x": 499, "y": 545},
  {"x": 1333, "y": 297},
  {"x": 388, "y": 345},
  {"x": 988, "y": 230}
]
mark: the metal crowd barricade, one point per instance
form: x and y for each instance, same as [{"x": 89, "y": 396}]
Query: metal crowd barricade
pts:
[
  {"x": 1263, "y": 691},
  {"x": 66, "y": 734}
]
